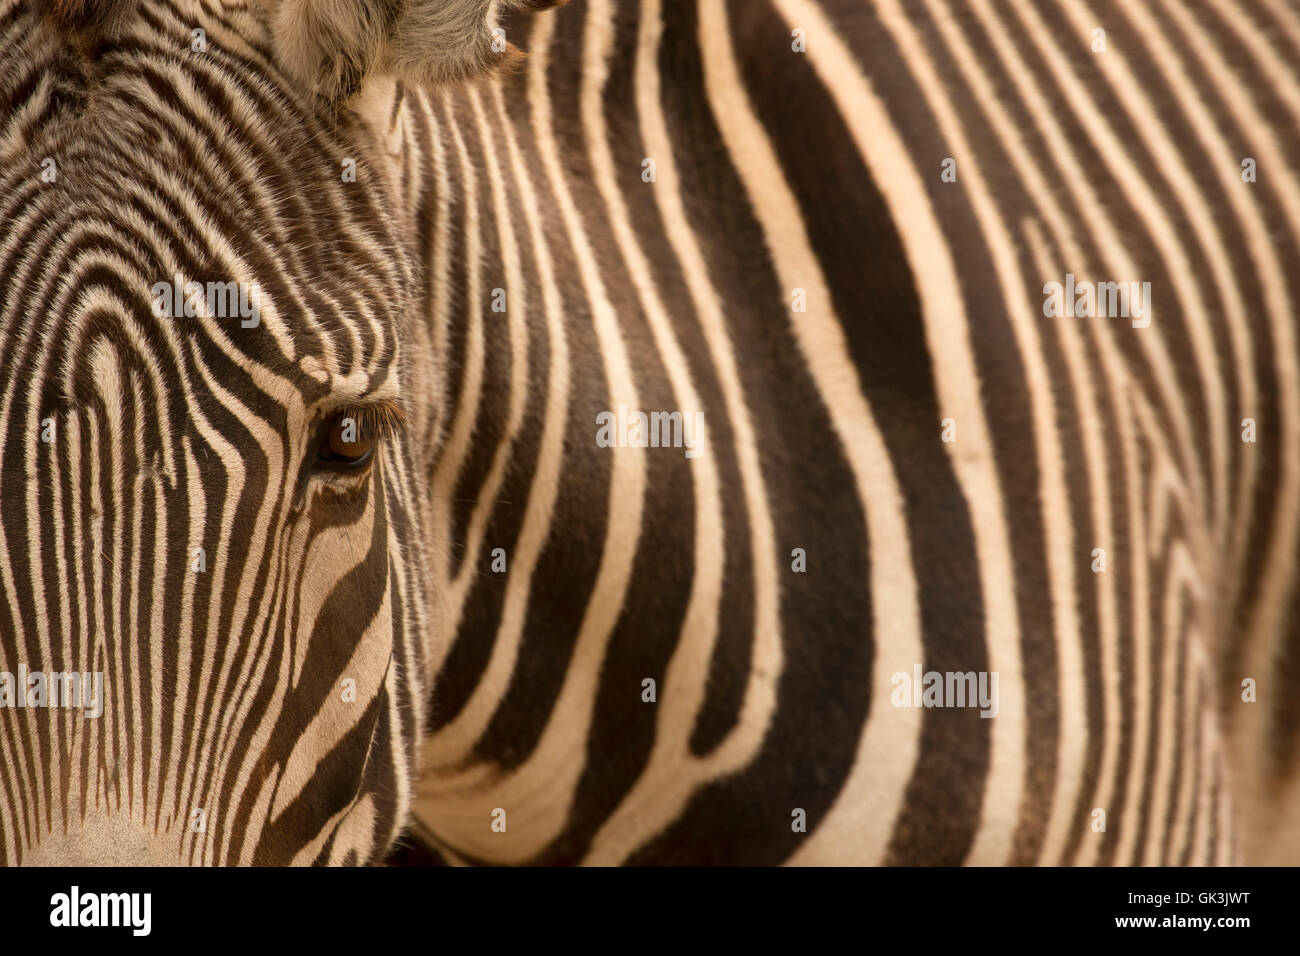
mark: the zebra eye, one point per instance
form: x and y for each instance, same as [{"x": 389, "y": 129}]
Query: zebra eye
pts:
[{"x": 347, "y": 442}]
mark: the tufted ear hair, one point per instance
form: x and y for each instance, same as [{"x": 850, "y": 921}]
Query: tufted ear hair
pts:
[
  {"x": 86, "y": 16},
  {"x": 332, "y": 46}
]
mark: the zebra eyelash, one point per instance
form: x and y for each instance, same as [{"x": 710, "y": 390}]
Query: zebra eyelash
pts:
[{"x": 384, "y": 418}]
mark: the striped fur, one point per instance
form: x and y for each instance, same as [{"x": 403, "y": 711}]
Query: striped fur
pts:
[
  {"x": 776, "y": 171},
  {"x": 821, "y": 171},
  {"x": 227, "y": 734}
]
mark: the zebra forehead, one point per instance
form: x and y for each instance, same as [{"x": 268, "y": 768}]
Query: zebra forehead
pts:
[
  {"x": 299, "y": 329},
  {"x": 198, "y": 186}
]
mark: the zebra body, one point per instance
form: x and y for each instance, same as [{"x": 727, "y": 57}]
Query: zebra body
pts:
[
  {"x": 1119, "y": 687},
  {"x": 829, "y": 227}
]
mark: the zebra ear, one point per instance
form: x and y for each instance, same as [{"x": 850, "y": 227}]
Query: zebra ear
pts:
[
  {"x": 87, "y": 16},
  {"x": 334, "y": 45}
]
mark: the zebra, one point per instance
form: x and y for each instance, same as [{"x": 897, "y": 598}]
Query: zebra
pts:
[{"x": 328, "y": 327}]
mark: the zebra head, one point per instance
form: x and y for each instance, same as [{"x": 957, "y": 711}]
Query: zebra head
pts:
[{"x": 213, "y": 419}]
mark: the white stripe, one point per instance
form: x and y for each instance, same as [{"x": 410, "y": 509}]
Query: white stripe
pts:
[
  {"x": 947, "y": 329},
  {"x": 543, "y": 787},
  {"x": 858, "y": 825},
  {"x": 1053, "y": 501}
]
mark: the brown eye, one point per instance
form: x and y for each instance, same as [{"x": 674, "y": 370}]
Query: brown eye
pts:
[{"x": 347, "y": 442}]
